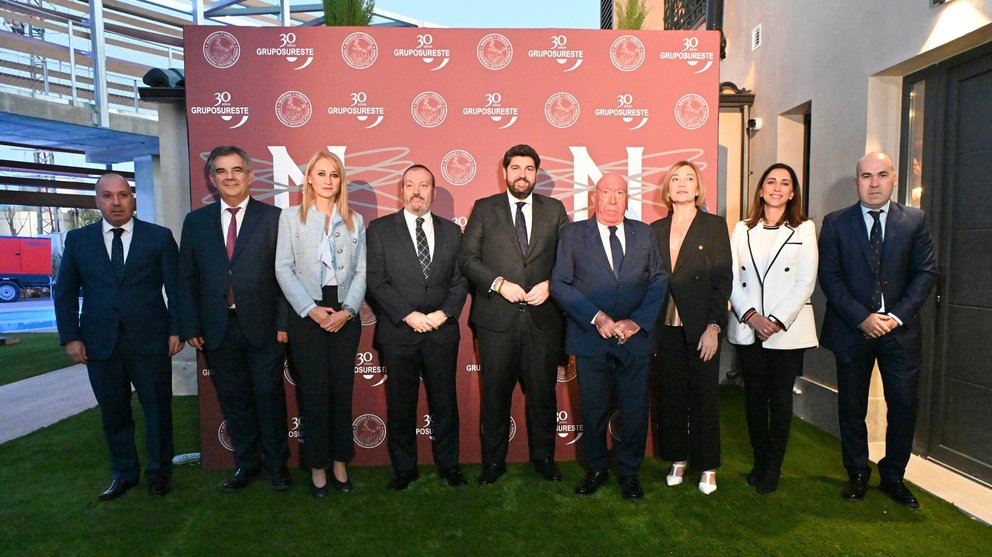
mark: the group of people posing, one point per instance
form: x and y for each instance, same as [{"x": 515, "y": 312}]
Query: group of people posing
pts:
[{"x": 633, "y": 302}]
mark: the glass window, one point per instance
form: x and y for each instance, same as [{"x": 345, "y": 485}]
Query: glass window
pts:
[{"x": 913, "y": 163}]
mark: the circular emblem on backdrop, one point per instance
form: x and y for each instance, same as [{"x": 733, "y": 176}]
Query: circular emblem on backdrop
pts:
[
  {"x": 359, "y": 50},
  {"x": 691, "y": 111},
  {"x": 224, "y": 436},
  {"x": 567, "y": 372},
  {"x": 370, "y": 431},
  {"x": 286, "y": 374},
  {"x": 513, "y": 428},
  {"x": 458, "y": 167},
  {"x": 616, "y": 426},
  {"x": 366, "y": 314},
  {"x": 293, "y": 109},
  {"x": 221, "y": 49},
  {"x": 561, "y": 110},
  {"x": 429, "y": 109},
  {"x": 494, "y": 51},
  {"x": 627, "y": 53}
]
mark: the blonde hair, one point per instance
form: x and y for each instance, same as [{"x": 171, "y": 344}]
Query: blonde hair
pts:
[
  {"x": 309, "y": 197},
  {"x": 666, "y": 197}
]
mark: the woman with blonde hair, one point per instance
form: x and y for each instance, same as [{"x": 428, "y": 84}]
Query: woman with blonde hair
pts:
[{"x": 320, "y": 266}]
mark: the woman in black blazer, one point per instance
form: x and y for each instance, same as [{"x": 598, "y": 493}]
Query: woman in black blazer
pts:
[{"x": 695, "y": 250}]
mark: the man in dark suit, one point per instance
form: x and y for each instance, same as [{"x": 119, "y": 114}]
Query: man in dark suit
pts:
[
  {"x": 418, "y": 293},
  {"x": 876, "y": 269},
  {"x": 127, "y": 333},
  {"x": 507, "y": 254},
  {"x": 230, "y": 308},
  {"x": 609, "y": 280}
]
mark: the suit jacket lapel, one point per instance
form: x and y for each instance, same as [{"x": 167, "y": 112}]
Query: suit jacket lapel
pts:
[
  {"x": 98, "y": 241},
  {"x": 135, "y": 249},
  {"x": 408, "y": 249},
  {"x": 217, "y": 232},
  {"x": 856, "y": 221},
  {"x": 505, "y": 216},
  {"x": 595, "y": 247},
  {"x": 247, "y": 229},
  {"x": 782, "y": 235},
  {"x": 664, "y": 242},
  {"x": 893, "y": 222},
  {"x": 537, "y": 215}
]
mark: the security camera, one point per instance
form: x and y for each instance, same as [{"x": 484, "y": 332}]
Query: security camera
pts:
[{"x": 754, "y": 124}]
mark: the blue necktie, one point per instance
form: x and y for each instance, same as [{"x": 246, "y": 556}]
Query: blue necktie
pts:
[
  {"x": 117, "y": 254},
  {"x": 875, "y": 249},
  {"x": 617, "y": 250}
]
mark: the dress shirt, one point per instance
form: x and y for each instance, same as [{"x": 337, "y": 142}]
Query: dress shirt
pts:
[
  {"x": 225, "y": 217},
  {"x": 428, "y": 226},
  {"x": 604, "y": 236},
  {"x": 108, "y": 236},
  {"x": 528, "y": 211}
]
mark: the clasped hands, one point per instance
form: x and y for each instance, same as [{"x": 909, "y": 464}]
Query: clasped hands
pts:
[
  {"x": 763, "y": 326},
  {"x": 514, "y": 293},
  {"x": 425, "y": 322},
  {"x": 877, "y": 325},
  {"x": 329, "y": 319},
  {"x": 622, "y": 330}
]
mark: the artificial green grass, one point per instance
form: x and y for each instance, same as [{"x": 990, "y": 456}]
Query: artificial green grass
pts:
[
  {"x": 50, "y": 480},
  {"x": 35, "y": 354}
]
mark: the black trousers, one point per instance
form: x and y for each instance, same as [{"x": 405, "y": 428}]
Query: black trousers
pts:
[
  {"x": 630, "y": 375},
  {"x": 900, "y": 371},
  {"x": 686, "y": 400},
  {"x": 528, "y": 354},
  {"x": 249, "y": 384},
  {"x": 407, "y": 364},
  {"x": 769, "y": 376},
  {"x": 151, "y": 376},
  {"x": 325, "y": 366}
]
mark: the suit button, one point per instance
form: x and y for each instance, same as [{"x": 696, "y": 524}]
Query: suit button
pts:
[
  {"x": 786, "y": 269},
  {"x": 743, "y": 268},
  {"x": 744, "y": 284},
  {"x": 340, "y": 267},
  {"x": 337, "y": 234},
  {"x": 341, "y": 250}
]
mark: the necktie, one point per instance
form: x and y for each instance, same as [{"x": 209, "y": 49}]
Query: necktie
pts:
[
  {"x": 617, "y": 250},
  {"x": 521, "y": 225},
  {"x": 423, "y": 251},
  {"x": 232, "y": 239},
  {"x": 117, "y": 253},
  {"x": 875, "y": 250}
]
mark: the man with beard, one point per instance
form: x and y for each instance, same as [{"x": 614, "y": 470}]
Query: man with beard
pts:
[{"x": 507, "y": 253}]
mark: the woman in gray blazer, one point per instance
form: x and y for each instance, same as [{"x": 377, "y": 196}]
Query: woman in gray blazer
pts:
[
  {"x": 775, "y": 262},
  {"x": 320, "y": 266}
]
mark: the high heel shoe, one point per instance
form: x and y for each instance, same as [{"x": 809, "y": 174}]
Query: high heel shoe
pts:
[
  {"x": 318, "y": 492},
  {"x": 707, "y": 482},
  {"x": 674, "y": 476},
  {"x": 343, "y": 487}
]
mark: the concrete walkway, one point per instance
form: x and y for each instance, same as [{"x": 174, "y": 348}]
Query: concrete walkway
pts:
[{"x": 36, "y": 402}]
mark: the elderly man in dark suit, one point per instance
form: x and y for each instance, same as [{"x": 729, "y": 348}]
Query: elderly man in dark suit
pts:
[
  {"x": 609, "y": 280},
  {"x": 127, "y": 332},
  {"x": 230, "y": 309},
  {"x": 418, "y": 293},
  {"x": 507, "y": 254},
  {"x": 877, "y": 269}
]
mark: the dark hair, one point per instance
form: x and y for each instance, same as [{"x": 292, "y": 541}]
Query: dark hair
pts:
[
  {"x": 794, "y": 215},
  {"x": 521, "y": 151},
  {"x": 415, "y": 167},
  {"x": 225, "y": 150}
]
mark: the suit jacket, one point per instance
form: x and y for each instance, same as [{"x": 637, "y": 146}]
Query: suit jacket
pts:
[
  {"x": 490, "y": 249},
  {"x": 701, "y": 279},
  {"x": 397, "y": 285},
  {"x": 136, "y": 302},
  {"x": 908, "y": 273},
  {"x": 779, "y": 287},
  {"x": 205, "y": 273},
  {"x": 583, "y": 283},
  {"x": 299, "y": 271}
]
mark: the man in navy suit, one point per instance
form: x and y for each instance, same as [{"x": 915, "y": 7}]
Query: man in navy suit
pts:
[
  {"x": 127, "y": 333},
  {"x": 609, "y": 280},
  {"x": 231, "y": 306},
  {"x": 876, "y": 269},
  {"x": 418, "y": 293}
]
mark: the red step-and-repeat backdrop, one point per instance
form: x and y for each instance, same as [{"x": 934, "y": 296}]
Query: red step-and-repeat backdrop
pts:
[{"x": 589, "y": 101}]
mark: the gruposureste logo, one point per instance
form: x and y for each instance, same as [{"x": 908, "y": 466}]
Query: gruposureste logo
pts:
[
  {"x": 567, "y": 372},
  {"x": 299, "y": 56},
  {"x": 360, "y": 109},
  {"x": 427, "y": 428},
  {"x": 625, "y": 111},
  {"x": 567, "y": 58},
  {"x": 458, "y": 167},
  {"x": 567, "y": 430},
  {"x": 369, "y": 431},
  {"x": 562, "y": 110},
  {"x": 293, "y": 109},
  {"x": 691, "y": 55},
  {"x": 426, "y": 52},
  {"x": 429, "y": 109},
  {"x": 286, "y": 373},
  {"x": 359, "y": 50},
  {"x": 224, "y": 436},
  {"x": 367, "y": 368},
  {"x": 296, "y": 430},
  {"x": 494, "y": 51},
  {"x": 691, "y": 111},
  {"x": 221, "y": 49},
  {"x": 224, "y": 107},
  {"x": 494, "y": 110},
  {"x": 627, "y": 53}
]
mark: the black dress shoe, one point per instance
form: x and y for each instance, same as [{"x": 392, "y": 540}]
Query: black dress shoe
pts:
[
  {"x": 240, "y": 479},
  {"x": 454, "y": 476},
  {"x": 768, "y": 482},
  {"x": 594, "y": 480},
  {"x": 342, "y": 487},
  {"x": 318, "y": 492},
  {"x": 855, "y": 488},
  {"x": 547, "y": 469},
  {"x": 899, "y": 493},
  {"x": 281, "y": 479},
  {"x": 491, "y": 472},
  {"x": 754, "y": 477},
  {"x": 159, "y": 485},
  {"x": 630, "y": 487},
  {"x": 116, "y": 489},
  {"x": 402, "y": 480}
]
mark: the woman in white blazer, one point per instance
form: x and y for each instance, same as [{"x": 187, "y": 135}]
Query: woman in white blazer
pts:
[
  {"x": 775, "y": 261},
  {"x": 320, "y": 266}
]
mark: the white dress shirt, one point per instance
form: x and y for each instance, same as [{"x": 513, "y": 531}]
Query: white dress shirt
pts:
[
  {"x": 428, "y": 226},
  {"x": 604, "y": 235},
  {"x": 528, "y": 211},
  {"x": 108, "y": 237},
  {"x": 225, "y": 217}
]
